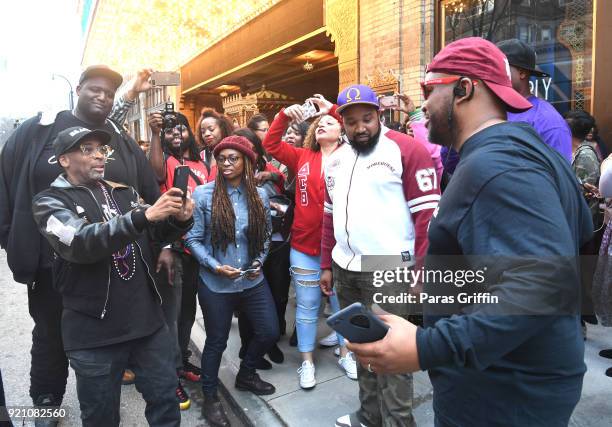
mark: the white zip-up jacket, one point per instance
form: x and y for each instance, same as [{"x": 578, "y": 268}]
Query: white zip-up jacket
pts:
[{"x": 379, "y": 203}]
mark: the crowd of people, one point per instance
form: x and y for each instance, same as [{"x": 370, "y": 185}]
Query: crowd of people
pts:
[{"x": 116, "y": 258}]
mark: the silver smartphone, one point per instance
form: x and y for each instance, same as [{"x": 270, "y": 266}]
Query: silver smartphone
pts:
[
  {"x": 166, "y": 78},
  {"x": 389, "y": 101}
]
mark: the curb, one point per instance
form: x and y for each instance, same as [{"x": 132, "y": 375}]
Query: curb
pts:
[{"x": 251, "y": 409}]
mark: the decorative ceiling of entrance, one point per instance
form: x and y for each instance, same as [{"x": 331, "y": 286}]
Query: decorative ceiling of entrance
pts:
[{"x": 163, "y": 34}]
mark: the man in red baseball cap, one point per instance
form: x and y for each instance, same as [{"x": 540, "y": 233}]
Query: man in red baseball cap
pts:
[{"x": 505, "y": 348}]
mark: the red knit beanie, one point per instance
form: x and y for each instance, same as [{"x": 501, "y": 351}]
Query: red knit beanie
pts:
[{"x": 238, "y": 143}]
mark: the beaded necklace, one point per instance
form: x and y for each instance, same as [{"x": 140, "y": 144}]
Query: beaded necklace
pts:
[{"x": 121, "y": 260}]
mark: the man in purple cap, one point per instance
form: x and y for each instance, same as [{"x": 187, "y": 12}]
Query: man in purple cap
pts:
[
  {"x": 381, "y": 192},
  {"x": 553, "y": 130},
  {"x": 502, "y": 339}
]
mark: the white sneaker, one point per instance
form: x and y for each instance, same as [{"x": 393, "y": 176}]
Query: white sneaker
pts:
[
  {"x": 330, "y": 340},
  {"x": 337, "y": 351},
  {"x": 349, "y": 364},
  {"x": 349, "y": 420},
  {"x": 307, "y": 375}
]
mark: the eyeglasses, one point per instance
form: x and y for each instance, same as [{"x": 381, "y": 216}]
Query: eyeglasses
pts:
[
  {"x": 91, "y": 151},
  {"x": 262, "y": 130},
  {"x": 426, "y": 85},
  {"x": 180, "y": 128},
  {"x": 231, "y": 159}
]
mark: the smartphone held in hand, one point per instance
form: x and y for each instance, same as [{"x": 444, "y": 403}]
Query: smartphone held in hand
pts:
[
  {"x": 181, "y": 178},
  {"x": 166, "y": 78},
  {"x": 389, "y": 101},
  {"x": 309, "y": 110},
  {"x": 358, "y": 324}
]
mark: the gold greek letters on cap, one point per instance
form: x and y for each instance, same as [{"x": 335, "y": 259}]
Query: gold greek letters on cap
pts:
[{"x": 357, "y": 94}]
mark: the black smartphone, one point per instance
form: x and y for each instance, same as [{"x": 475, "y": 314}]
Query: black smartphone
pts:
[
  {"x": 358, "y": 324},
  {"x": 181, "y": 176}
]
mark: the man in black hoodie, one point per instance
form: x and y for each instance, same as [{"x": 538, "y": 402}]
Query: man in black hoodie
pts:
[
  {"x": 27, "y": 166},
  {"x": 101, "y": 234},
  {"x": 501, "y": 339}
]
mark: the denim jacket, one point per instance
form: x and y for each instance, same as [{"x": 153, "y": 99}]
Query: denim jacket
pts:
[{"x": 198, "y": 240}]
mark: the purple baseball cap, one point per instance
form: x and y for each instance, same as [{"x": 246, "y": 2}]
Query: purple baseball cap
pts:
[{"x": 357, "y": 94}]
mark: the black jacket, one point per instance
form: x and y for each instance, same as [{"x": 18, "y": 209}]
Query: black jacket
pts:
[
  {"x": 18, "y": 232},
  {"x": 71, "y": 220}
]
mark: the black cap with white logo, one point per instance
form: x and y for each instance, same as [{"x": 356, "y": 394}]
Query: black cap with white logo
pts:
[
  {"x": 71, "y": 137},
  {"x": 521, "y": 55}
]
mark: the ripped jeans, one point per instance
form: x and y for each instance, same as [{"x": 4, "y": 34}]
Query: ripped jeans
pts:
[{"x": 305, "y": 270}]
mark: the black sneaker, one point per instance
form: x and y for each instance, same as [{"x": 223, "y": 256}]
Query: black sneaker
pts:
[
  {"x": 183, "y": 397},
  {"x": 46, "y": 401},
  {"x": 607, "y": 353},
  {"x": 261, "y": 364},
  {"x": 276, "y": 355},
  {"x": 253, "y": 383}
]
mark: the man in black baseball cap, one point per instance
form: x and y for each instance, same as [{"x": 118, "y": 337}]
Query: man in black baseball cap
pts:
[
  {"x": 101, "y": 71},
  {"x": 68, "y": 139},
  {"x": 28, "y": 165},
  {"x": 521, "y": 55},
  {"x": 103, "y": 237},
  {"x": 543, "y": 117}
]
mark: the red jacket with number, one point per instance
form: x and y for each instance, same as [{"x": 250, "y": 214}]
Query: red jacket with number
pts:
[{"x": 309, "y": 186}]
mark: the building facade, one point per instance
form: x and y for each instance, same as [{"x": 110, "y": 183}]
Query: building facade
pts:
[{"x": 257, "y": 56}]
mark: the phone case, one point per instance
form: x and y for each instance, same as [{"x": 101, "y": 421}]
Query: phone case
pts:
[
  {"x": 388, "y": 101},
  {"x": 308, "y": 110},
  {"x": 166, "y": 78},
  {"x": 358, "y": 324},
  {"x": 181, "y": 177}
]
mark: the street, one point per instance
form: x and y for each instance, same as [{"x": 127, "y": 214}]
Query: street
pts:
[
  {"x": 15, "y": 364},
  {"x": 593, "y": 410}
]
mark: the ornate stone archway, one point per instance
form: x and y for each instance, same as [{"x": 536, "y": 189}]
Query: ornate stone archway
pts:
[
  {"x": 342, "y": 26},
  {"x": 240, "y": 108}
]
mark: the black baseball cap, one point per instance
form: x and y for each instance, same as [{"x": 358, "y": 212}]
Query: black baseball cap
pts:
[
  {"x": 71, "y": 137},
  {"x": 101, "y": 71},
  {"x": 521, "y": 55}
]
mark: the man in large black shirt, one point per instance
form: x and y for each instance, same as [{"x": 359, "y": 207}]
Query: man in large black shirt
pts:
[
  {"x": 27, "y": 166},
  {"x": 513, "y": 210},
  {"x": 102, "y": 236}
]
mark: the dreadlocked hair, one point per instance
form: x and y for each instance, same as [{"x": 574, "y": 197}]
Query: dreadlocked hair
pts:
[{"x": 224, "y": 220}]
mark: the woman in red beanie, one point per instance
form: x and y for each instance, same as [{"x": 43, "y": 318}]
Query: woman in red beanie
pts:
[{"x": 230, "y": 239}]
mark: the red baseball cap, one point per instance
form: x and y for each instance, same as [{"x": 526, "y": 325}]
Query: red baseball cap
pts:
[{"x": 480, "y": 59}]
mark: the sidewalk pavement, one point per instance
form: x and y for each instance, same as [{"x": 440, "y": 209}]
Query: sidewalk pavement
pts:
[
  {"x": 336, "y": 395},
  {"x": 333, "y": 396}
]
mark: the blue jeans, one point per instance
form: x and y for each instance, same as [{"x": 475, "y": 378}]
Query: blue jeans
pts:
[
  {"x": 257, "y": 305},
  {"x": 308, "y": 297},
  {"x": 99, "y": 372}
]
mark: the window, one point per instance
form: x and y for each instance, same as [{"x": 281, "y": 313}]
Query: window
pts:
[
  {"x": 523, "y": 34},
  {"x": 560, "y": 33}
]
